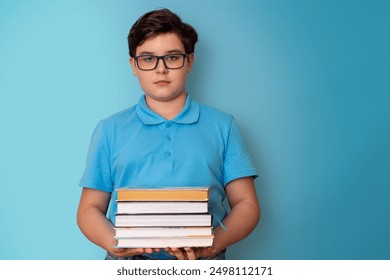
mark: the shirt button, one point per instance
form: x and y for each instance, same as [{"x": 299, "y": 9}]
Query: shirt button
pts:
[
  {"x": 168, "y": 138},
  {"x": 167, "y": 154},
  {"x": 168, "y": 124}
]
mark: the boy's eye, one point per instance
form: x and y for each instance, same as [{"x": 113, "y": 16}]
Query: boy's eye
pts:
[
  {"x": 148, "y": 59},
  {"x": 171, "y": 57}
]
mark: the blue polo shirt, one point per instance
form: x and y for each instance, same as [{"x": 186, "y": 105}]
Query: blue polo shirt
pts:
[{"x": 137, "y": 147}]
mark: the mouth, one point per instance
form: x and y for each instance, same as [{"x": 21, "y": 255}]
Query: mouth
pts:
[{"x": 162, "y": 82}]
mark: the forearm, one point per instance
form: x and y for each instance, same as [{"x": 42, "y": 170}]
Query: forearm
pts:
[
  {"x": 240, "y": 222},
  {"x": 96, "y": 227}
]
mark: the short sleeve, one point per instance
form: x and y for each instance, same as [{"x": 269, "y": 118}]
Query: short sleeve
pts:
[
  {"x": 97, "y": 173},
  {"x": 237, "y": 162}
]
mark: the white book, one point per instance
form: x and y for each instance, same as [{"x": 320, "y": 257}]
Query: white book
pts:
[
  {"x": 163, "y": 220},
  {"x": 201, "y": 241},
  {"x": 163, "y": 207},
  {"x": 129, "y": 232}
]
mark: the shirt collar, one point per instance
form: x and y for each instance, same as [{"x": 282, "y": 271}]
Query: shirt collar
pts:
[{"x": 189, "y": 114}]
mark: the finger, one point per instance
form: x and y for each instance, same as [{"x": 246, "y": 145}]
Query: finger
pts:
[
  {"x": 190, "y": 253},
  {"x": 133, "y": 252},
  {"x": 149, "y": 250},
  {"x": 179, "y": 254},
  {"x": 138, "y": 251},
  {"x": 118, "y": 250},
  {"x": 115, "y": 249},
  {"x": 169, "y": 251},
  {"x": 211, "y": 250},
  {"x": 122, "y": 252}
]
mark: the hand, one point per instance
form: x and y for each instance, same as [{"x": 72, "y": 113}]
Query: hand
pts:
[
  {"x": 188, "y": 253},
  {"x": 127, "y": 252}
]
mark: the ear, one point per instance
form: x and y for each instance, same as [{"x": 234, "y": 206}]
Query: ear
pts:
[
  {"x": 133, "y": 66},
  {"x": 190, "y": 62}
]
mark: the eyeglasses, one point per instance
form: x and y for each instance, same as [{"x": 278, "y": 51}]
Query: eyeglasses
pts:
[{"x": 149, "y": 62}]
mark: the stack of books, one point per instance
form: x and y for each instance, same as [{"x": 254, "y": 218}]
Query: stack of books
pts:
[{"x": 163, "y": 217}]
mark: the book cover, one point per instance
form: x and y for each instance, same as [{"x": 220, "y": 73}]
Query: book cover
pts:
[
  {"x": 148, "y": 207},
  {"x": 196, "y": 241},
  {"x": 127, "y": 232},
  {"x": 161, "y": 220},
  {"x": 163, "y": 194}
]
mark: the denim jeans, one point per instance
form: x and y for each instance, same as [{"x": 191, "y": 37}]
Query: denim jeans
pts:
[{"x": 219, "y": 256}]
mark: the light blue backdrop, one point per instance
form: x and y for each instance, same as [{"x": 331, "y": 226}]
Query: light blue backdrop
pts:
[{"x": 308, "y": 82}]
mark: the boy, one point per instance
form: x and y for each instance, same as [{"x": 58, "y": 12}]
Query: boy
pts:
[{"x": 167, "y": 139}]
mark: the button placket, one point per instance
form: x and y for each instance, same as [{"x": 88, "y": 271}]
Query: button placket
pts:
[{"x": 167, "y": 152}]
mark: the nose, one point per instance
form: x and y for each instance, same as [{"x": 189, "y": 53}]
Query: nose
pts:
[{"x": 161, "y": 67}]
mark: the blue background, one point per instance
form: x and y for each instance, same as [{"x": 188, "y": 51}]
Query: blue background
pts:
[{"x": 308, "y": 82}]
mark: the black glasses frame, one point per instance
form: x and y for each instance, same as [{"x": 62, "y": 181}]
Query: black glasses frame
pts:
[{"x": 162, "y": 57}]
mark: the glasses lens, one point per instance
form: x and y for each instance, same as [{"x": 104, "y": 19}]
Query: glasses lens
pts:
[
  {"x": 147, "y": 62},
  {"x": 174, "y": 61}
]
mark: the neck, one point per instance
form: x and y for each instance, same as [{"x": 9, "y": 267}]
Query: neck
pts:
[{"x": 168, "y": 109}]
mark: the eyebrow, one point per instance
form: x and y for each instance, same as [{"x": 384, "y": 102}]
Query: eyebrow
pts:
[{"x": 167, "y": 52}]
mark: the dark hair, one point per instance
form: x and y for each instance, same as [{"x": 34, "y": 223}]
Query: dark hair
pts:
[{"x": 157, "y": 22}]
